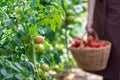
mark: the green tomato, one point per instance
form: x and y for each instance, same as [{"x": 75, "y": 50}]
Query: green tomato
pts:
[
  {"x": 39, "y": 47},
  {"x": 56, "y": 67},
  {"x": 70, "y": 12},
  {"x": 70, "y": 19},
  {"x": 18, "y": 10},
  {"x": 45, "y": 67}
]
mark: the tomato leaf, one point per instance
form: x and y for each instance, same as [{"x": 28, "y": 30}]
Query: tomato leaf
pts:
[
  {"x": 4, "y": 72},
  {"x": 18, "y": 66},
  {"x": 19, "y": 76},
  {"x": 8, "y": 23}
]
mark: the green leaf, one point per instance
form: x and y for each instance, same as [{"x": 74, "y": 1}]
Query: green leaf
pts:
[
  {"x": 14, "y": 68},
  {"x": 8, "y": 23},
  {"x": 33, "y": 30},
  {"x": 4, "y": 72},
  {"x": 50, "y": 34},
  {"x": 17, "y": 39},
  {"x": 56, "y": 57},
  {"x": 47, "y": 8},
  {"x": 19, "y": 76},
  {"x": 33, "y": 4},
  {"x": 18, "y": 65},
  {"x": 22, "y": 34},
  {"x": 31, "y": 20},
  {"x": 58, "y": 19},
  {"x": 52, "y": 24},
  {"x": 38, "y": 1},
  {"x": 9, "y": 76},
  {"x": 1, "y": 31}
]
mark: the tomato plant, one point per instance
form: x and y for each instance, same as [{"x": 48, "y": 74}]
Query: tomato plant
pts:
[
  {"x": 34, "y": 33},
  {"x": 21, "y": 21}
]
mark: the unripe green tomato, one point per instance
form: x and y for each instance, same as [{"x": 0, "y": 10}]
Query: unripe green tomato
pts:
[
  {"x": 18, "y": 10},
  {"x": 56, "y": 67},
  {"x": 45, "y": 67},
  {"x": 70, "y": 12},
  {"x": 39, "y": 47},
  {"x": 39, "y": 39},
  {"x": 70, "y": 19}
]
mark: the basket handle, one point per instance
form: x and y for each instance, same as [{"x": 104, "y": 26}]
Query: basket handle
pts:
[{"x": 95, "y": 35}]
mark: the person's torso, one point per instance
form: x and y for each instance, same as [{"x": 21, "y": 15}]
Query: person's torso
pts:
[{"x": 113, "y": 8}]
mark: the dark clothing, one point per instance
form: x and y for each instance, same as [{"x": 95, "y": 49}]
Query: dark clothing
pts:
[{"x": 107, "y": 25}]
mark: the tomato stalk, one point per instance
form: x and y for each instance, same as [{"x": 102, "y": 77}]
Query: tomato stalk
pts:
[
  {"x": 31, "y": 52},
  {"x": 36, "y": 75}
]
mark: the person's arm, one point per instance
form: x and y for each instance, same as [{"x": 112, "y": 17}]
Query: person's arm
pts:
[{"x": 91, "y": 7}]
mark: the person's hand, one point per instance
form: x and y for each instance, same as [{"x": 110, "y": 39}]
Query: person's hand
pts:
[{"x": 89, "y": 28}]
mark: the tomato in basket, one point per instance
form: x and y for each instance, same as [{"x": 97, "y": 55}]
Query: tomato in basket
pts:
[
  {"x": 90, "y": 38},
  {"x": 90, "y": 43},
  {"x": 76, "y": 43}
]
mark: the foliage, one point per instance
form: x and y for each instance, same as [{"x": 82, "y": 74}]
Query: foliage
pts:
[{"x": 21, "y": 21}]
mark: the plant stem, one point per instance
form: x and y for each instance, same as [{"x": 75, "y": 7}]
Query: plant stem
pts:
[
  {"x": 34, "y": 61},
  {"x": 4, "y": 12}
]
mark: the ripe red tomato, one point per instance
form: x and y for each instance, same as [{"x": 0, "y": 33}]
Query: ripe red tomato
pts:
[
  {"x": 103, "y": 43},
  {"x": 39, "y": 39},
  {"x": 90, "y": 38},
  {"x": 94, "y": 44},
  {"x": 77, "y": 43},
  {"x": 90, "y": 43}
]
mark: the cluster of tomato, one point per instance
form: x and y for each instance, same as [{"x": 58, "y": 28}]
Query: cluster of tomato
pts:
[
  {"x": 39, "y": 43},
  {"x": 89, "y": 43},
  {"x": 45, "y": 68}
]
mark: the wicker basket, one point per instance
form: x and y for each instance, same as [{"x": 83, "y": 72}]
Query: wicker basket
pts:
[{"x": 92, "y": 59}]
